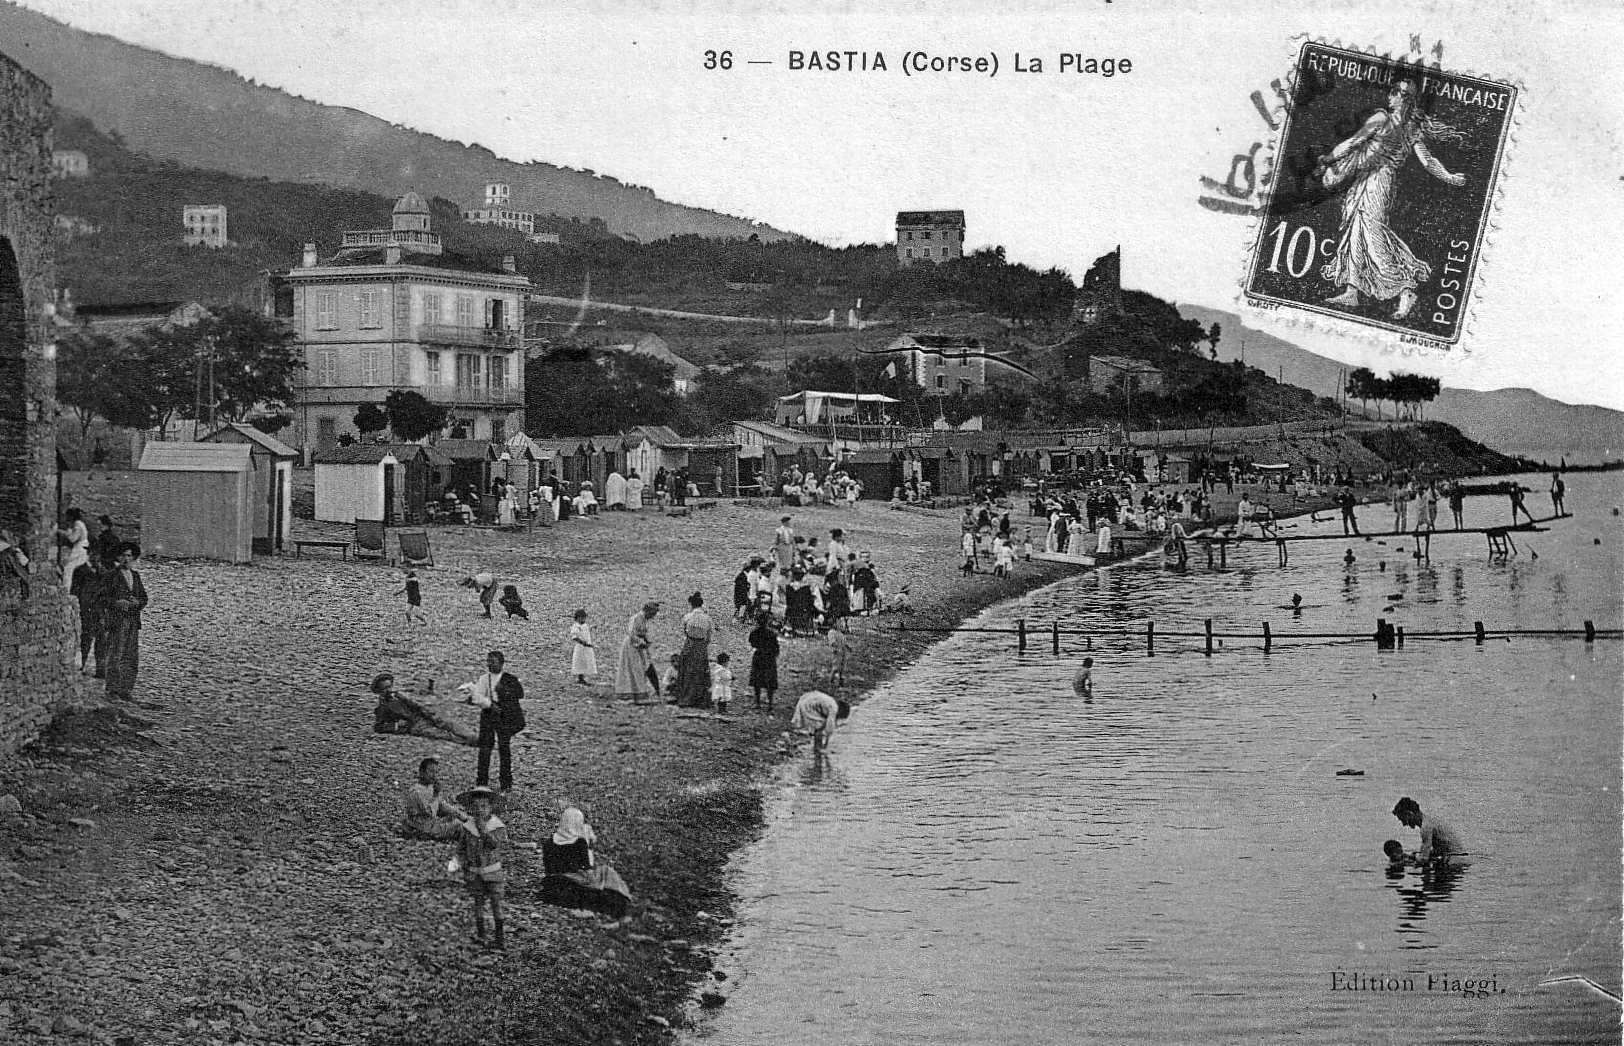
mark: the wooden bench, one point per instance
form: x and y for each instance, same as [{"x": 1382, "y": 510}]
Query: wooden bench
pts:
[{"x": 300, "y": 545}]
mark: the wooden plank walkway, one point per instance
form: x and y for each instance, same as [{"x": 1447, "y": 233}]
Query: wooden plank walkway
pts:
[{"x": 1519, "y": 528}]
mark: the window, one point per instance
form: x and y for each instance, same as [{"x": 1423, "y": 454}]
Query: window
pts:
[
  {"x": 964, "y": 361},
  {"x": 369, "y": 309},
  {"x": 910, "y": 234},
  {"x": 327, "y": 373},
  {"x": 465, "y": 311},
  {"x": 369, "y": 366},
  {"x": 468, "y": 371},
  {"x": 910, "y": 252},
  {"x": 941, "y": 381},
  {"x": 498, "y": 372},
  {"x": 431, "y": 373},
  {"x": 925, "y": 235},
  {"x": 326, "y": 431},
  {"x": 927, "y": 252},
  {"x": 498, "y": 430},
  {"x": 431, "y": 308},
  {"x": 964, "y": 387},
  {"x": 326, "y": 310}
]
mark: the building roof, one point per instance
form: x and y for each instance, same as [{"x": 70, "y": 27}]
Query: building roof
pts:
[
  {"x": 866, "y": 397},
  {"x": 260, "y": 439},
  {"x": 659, "y": 435},
  {"x": 465, "y": 449},
  {"x": 870, "y": 456},
  {"x": 944, "y": 341},
  {"x": 164, "y": 456},
  {"x": 1124, "y": 363},
  {"x": 656, "y": 346},
  {"x": 930, "y": 217},
  {"x": 777, "y": 433},
  {"x": 358, "y": 256},
  {"x": 357, "y": 454},
  {"x": 411, "y": 203},
  {"x": 567, "y": 446}
]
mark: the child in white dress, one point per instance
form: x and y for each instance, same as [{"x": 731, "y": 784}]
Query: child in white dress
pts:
[{"x": 583, "y": 655}]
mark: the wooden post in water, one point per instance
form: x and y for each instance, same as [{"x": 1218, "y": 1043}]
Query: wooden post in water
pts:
[
  {"x": 1020, "y": 634},
  {"x": 1209, "y": 636},
  {"x": 1384, "y": 634},
  {"x": 1590, "y": 631},
  {"x": 1057, "y": 638},
  {"x": 1150, "y": 639},
  {"x": 1477, "y": 626},
  {"x": 1268, "y": 639},
  {"x": 1399, "y": 635}
]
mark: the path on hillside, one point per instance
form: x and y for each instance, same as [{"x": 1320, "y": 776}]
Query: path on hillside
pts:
[{"x": 677, "y": 314}]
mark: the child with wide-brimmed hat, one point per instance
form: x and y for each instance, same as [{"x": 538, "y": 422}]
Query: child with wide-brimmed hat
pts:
[{"x": 479, "y": 854}]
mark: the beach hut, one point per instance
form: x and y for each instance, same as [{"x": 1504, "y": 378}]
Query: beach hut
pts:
[
  {"x": 273, "y": 483},
  {"x": 605, "y": 454},
  {"x": 877, "y": 469},
  {"x": 198, "y": 499},
  {"x": 940, "y": 467},
  {"x": 470, "y": 463},
  {"x": 387, "y": 481},
  {"x": 706, "y": 459},
  {"x": 562, "y": 459}
]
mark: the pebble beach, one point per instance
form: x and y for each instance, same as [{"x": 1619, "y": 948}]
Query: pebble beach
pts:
[{"x": 224, "y": 866}]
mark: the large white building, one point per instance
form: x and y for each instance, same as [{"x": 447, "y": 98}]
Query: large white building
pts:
[
  {"x": 392, "y": 310},
  {"x": 498, "y": 210}
]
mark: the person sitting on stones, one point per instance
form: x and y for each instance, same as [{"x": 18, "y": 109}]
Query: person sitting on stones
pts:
[
  {"x": 429, "y": 815},
  {"x": 575, "y": 878},
  {"x": 398, "y": 714}
]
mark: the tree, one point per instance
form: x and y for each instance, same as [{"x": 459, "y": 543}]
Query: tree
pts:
[
  {"x": 722, "y": 397},
  {"x": 89, "y": 369},
  {"x": 1000, "y": 406},
  {"x": 410, "y": 416},
  {"x": 1362, "y": 385},
  {"x": 255, "y": 361},
  {"x": 1214, "y": 333},
  {"x": 271, "y": 424},
  {"x": 371, "y": 418}
]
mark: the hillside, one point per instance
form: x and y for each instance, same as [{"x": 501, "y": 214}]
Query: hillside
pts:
[
  {"x": 1516, "y": 421},
  {"x": 203, "y": 116}
]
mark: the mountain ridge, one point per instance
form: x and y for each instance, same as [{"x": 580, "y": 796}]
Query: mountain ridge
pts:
[
  {"x": 203, "y": 115},
  {"x": 1513, "y": 420}
]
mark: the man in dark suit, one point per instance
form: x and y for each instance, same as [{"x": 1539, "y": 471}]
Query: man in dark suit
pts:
[
  {"x": 498, "y": 694},
  {"x": 123, "y": 599}
]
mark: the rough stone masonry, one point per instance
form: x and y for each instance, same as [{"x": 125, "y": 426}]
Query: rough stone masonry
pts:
[{"x": 38, "y": 621}]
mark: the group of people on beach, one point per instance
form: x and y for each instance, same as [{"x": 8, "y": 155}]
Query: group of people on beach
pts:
[{"x": 101, "y": 576}]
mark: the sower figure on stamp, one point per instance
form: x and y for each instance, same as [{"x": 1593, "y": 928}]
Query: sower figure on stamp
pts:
[{"x": 1370, "y": 257}]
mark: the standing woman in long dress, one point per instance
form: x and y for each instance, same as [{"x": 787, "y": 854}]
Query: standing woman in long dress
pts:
[
  {"x": 75, "y": 538},
  {"x": 692, "y": 689},
  {"x": 583, "y": 655},
  {"x": 632, "y": 672},
  {"x": 125, "y": 597},
  {"x": 1370, "y": 257}
]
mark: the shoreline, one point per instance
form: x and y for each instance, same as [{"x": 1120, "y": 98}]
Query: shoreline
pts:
[{"x": 258, "y": 791}]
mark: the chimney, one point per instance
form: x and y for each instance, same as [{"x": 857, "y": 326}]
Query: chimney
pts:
[
  {"x": 309, "y": 256},
  {"x": 509, "y": 263},
  {"x": 391, "y": 254}
]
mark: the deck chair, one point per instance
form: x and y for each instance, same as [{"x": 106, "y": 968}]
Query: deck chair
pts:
[
  {"x": 369, "y": 539},
  {"x": 414, "y": 548}
]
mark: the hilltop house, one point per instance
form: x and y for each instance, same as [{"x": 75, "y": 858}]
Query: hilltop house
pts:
[
  {"x": 393, "y": 310},
  {"x": 498, "y": 211},
  {"x": 1109, "y": 373},
  {"x": 205, "y": 225},
  {"x": 933, "y": 236},
  {"x": 948, "y": 364}
]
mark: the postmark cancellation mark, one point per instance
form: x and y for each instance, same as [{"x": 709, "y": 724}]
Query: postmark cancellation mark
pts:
[{"x": 1382, "y": 193}]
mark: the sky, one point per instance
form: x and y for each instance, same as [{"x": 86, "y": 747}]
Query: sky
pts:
[{"x": 1057, "y": 167}]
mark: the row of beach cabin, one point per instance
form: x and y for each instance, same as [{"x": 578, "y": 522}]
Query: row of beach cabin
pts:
[{"x": 230, "y": 494}]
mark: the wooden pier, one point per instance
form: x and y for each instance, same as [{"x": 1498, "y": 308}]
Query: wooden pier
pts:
[
  {"x": 1499, "y": 539},
  {"x": 1386, "y": 636}
]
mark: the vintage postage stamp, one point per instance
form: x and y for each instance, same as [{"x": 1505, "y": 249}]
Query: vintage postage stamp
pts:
[{"x": 1383, "y": 187}]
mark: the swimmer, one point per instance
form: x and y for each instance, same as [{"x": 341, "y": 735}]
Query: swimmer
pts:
[
  {"x": 1296, "y": 603},
  {"x": 1396, "y": 857},
  {"x": 1347, "y": 558}
]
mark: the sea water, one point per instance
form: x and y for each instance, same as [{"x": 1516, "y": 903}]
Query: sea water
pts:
[{"x": 986, "y": 858}]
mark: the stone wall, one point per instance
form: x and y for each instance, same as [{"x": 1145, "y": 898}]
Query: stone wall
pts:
[{"x": 38, "y": 621}]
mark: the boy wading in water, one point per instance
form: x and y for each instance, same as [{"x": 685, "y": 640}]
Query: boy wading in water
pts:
[
  {"x": 479, "y": 854},
  {"x": 1083, "y": 681}
]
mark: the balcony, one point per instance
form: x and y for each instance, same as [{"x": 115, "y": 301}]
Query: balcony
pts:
[
  {"x": 473, "y": 337},
  {"x": 454, "y": 395},
  {"x": 407, "y": 239},
  {"x": 471, "y": 396}
]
